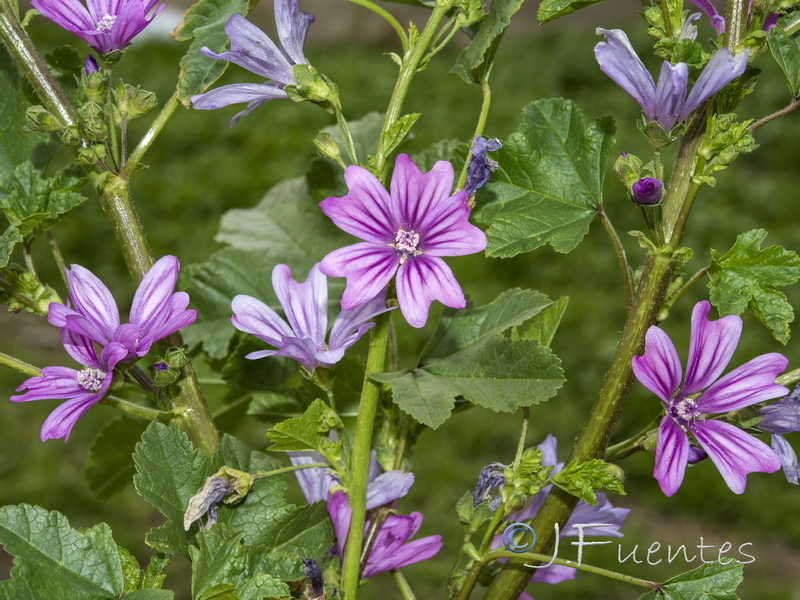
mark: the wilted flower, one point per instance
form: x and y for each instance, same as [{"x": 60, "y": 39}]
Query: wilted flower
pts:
[
  {"x": 156, "y": 312},
  {"x": 316, "y": 586},
  {"x": 782, "y": 416},
  {"x": 647, "y": 190},
  {"x": 252, "y": 49},
  {"x": 306, "y": 308},
  {"x": 489, "y": 479},
  {"x": 406, "y": 232},
  {"x": 734, "y": 452},
  {"x": 480, "y": 166},
  {"x": 788, "y": 458},
  {"x": 81, "y": 389},
  {"x": 668, "y": 104},
  {"x": 205, "y": 502},
  {"x": 105, "y": 26}
]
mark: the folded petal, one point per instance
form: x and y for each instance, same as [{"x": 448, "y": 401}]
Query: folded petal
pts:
[
  {"x": 719, "y": 72},
  {"x": 420, "y": 281},
  {"x": 236, "y": 93},
  {"x": 152, "y": 298},
  {"x": 61, "y": 421},
  {"x": 292, "y": 28},
  {"x": 604, "y": 512},
  {"x": 619, "y": 61},
  {"x": 389, "y": 550},
  {"x": 788, "y": 458},
  {"x": 388, "y": 487},
  {"x": 672, "y": 452},
  {"x": 252, "y": 316},
  {"x": 711, "y": 347},
  {"x": 174, "y": 318},
  {"x": 80, "y": 348},
  {"x": 717, "y": 20},
  {"x": 673, "y": 83},
  {"x": 734, "y": 452},
  {"x": 364, "y": 212},
  {"x": 91, "y": 298},
  {"x": 368, "y": 268},
  {"x": 339, "y": 511},
  {"x": 782, "y": 416},
  {"x": 69, "y": 14},
  {"x": 749, "y": 384},
  {"x": 416, "y": 194},
  {"x": 554, "y": 574},
  {"x": 303, "y": 350},
  {"x": 65, "y": 318},
  {"x": 305, "y": 304},
  {"x": 659, "y": 368},
  {"x": 316, "y": 482},
  {"x": 350, "y": 325}
]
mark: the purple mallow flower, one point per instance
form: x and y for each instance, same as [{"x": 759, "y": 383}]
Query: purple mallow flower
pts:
[
  {"x": 306, "y": 308},
  {"x": 668, "y": 103},
  {"x": 712, "y": 343},
  {"x": 81, "y": 389},
  {"x": 106, "y": 25},
  {"x": 405, "y": 231},
  {"x": 157, "y": 310},
  {"x": 252, "y": 49},
  {"x": 718, "y": 21},
  {"x": 480, "y": 166},
  {"x": 604, "y": 513},
  {"x": 647, "y": 190}
]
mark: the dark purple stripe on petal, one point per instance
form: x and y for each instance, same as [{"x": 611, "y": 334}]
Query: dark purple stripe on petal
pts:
[
  {"x": 711, "y": 347},
  {"x": 659, "y": 368},
  {"x": 749, "y": 384},
  {"x": 672, "y": 451}
]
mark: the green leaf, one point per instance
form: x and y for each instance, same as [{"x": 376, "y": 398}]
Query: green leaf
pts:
[
  {"x": 27, "y": 285},
  {"x": 60, "y": 562},
  {"x": 787, "y": 54},
  {"x": 544, "y": 325},
  {"x": 549, "y": 185},
  {"x": 476, "y": 59},
  {"x": 204, "y": 24},
  {"x": 306, "y": 432},
  {"x": 549, "y": 10},
  {"x": 153, "y": 576},
  {"x": 131, "y": 573},
  {"x": 151, "y": 595},
  {"x": 34, "y": 204},
  {"x": 749, "y": 277},
  {"x": 10, "y": 238},
  {"x": 398, "y": 131},
  {"x": 714, "y": 581},
  {"x": 453, "y": 151},
  {"x": 584, "y": 478},
  {"x": 109, "y": 466},
  {"x": 468, "y": 356}
]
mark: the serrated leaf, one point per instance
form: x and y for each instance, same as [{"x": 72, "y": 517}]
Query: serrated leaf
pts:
[
  {"x": 749, "y": 277},
  {"x": 151, "y": 595},
  {"x": 544, "y": 325},
  {"x": 787, "y": 54},
  {"x": 550, "y": 10},
  {"x": 468, "y": 356},
  {"x": 153, "y": 576},
  {"x": 476, "y": 58},
  {"x": 84, "y": 564},
  {"x": 109, "y": 466},
  {"x": 306, "y": 432},
  {"x": 453, "y": 151},
  {"x": 549, "y": 185},
  {"x": 131, "y": 573},
  {"x": 398, "y": 131},
  {"x": 715, "y": 581},
  {"x": 582, "y": 479},
  {"x": 204, "y": 24},
  {"x": 10, "y": 238}
]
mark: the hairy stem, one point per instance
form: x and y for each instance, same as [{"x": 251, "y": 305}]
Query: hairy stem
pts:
[
  {"x": 147, "y": 140},
  {"x": 137, "y": 410},
  {"x": 482, "y": 116},
  {"x": 18, "y": 365},
  {"x": 406, "y": 593},
  {"x": 777, "y": 114},
  {"x": 736, "y": 23},
  {"x": 621, "y": 257}
]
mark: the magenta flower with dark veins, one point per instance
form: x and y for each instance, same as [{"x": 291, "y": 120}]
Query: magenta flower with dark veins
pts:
[
  {"x": 252, "y": 49},
  {"x": 670, "y": 102},
  {"x": 703, "y": 393},
  {"x": 106, "y": 25},
  {"x": 647, "y": 190},
  {"x": 405, "y": 231},
  {"x": 306, "y": 308},
  {"x": 157, "y": 310},
  {"x": 81, "y": 389}
]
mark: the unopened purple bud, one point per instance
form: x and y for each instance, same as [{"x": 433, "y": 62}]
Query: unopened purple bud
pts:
[
  {"x": 90, "y": 66},
  {"x": 161, "y": 366},
  {"x": 696, "y": 455},
  {"x": 647, "y": 190},
  {"x": 624, "y": 155},
  {"x": 314, "y": 576}
]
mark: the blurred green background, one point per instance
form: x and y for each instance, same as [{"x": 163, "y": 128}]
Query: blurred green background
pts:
[{"x": 199, "y": 168}]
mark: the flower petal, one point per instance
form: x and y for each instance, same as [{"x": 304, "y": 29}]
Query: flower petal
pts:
[
  {"x": 368, "y": 268},
  {"x": 671, "y": 93},
  {"x": 388, "y": 487},
  {"x": 753, "y": 382},
  {"x": 91, "y": 298},
  {"x": 315, "y": 483},
  {"x": 719, "y": 72},
  {"x": 734, "y": 452},
  {"x": 52, "y": 383},
  {"x": 446, "y": 230},
  {"x": 672, "y": 452},
  {"x": 389, "y": 550},
  {"x": 305, "y": 304},
  {"x": 252, "y": 316},
  {"x": 80, "y": 348},
  {"x": 604, "y": 512},
  {"x": 292, "y": 26},
  {"x": 303, "y": 350},
  {"x": 69, "y": 14},
  {"x": 60, "y": 422},
  {"x": 236, "y": 93},
  {"x": 711, "y": 347},
  {"x": 782, "y": 416},
  {"x": 420, "y": 281},
  {"x": 349, "y": 326},
  {"x": 619, "y": 61},
  {"x": 339, "y": 511},
  {"x": 788, "y": 458},
  {"x": 415, "y": 195},
  {"x": 364, "y": 211},
  {"x": 659, "y": 368},
  {"x": 152, "y": 298},
  {"x": 717, "y": 20},
  {"x": 554, "y": 574}
]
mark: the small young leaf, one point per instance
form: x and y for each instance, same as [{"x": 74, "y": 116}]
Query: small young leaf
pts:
[
  {"x": 749, "y": 277},
  {"x": 550, "y": 10},
  {"x": 306, "y": 432},
  {"x": 109, "y": 466},
  {"x": 583, "y": 479},
  {"x": 713, "y": 581},
  {"x": 398, "y": 131},
  {"x": 10, "y": 238}
]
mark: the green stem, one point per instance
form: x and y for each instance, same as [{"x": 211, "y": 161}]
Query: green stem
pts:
[
  {"x": 62, "y": 266},
  {"x": 631, "y": 445},
  {"x": 789, "y": 379},
  {"x": 736, "y": 23},
  {"x": 482, "y": 116},
  {"x": 147, "y": 140},
  {"x": 362, "y": 444},
  {"x": 347, "y": 137},
  {"x": 18, "y": 365},
  {"x": 386, "y": 16},
  {"x": 289, "y": 469},
  {"x": 406, "y": 593},
  {"x": 621, "y": 257},
  {"x": 137, "y": 410},
  {"x": 411, "y": 62},
  {"x": 488, "y": 535},
  {"x": 686, "y": 287}
]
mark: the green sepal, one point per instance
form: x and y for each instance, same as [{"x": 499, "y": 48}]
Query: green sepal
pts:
[
  {"x": 314, "y": 87},
  {"x": 472, "y": 517}
]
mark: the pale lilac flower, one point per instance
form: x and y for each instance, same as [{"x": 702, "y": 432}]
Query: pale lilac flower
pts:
[
  {"x": 788, "y": 458},
  {"x": 480, "y": 166},
  {"x": 405, "y": 231},
  {"x": 106, "y": 25},
  {"x": 157, "y": 310},
  {"x": 668, "y": 103},
  {"x": 718, "y": 21},
  {"x": 81, "y": 389},
  {"x": 252, "y": 49},
  {"x": 782, "y": 416},
  {"x": 647, "y": 190},
  {"x": 306, "y": 308},
  {"x": 584, "y": 513},
  {"x": 712, "y": 343},
  {"x": 206, "y": 501}
]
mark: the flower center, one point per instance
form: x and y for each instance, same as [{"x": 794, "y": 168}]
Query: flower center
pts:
[
  {"x": 91, "y": 379},
  {"x": 687, "y": 409},
  {"x": 406, "y": 243},
  {"x": 106, "y": 23}
]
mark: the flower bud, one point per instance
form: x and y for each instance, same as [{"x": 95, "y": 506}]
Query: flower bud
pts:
[
  {"x": 90, "y": 65},
  {"x": 38, "y": 118},
  {"x": 647, "y": 190}
]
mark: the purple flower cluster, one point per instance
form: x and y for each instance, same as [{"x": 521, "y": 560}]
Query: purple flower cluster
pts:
[
  {"x": 91, "y": 319},
  {"x": 704, "y": 393}
]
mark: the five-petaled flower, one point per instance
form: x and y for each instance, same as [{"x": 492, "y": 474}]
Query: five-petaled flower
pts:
[
  {"x": 668, "y": 103},
  {"x": 712, "y": 343},
  {"x": 252, "y": 49},
  {"x": 405, "y": 231},
  {"x": 157, "y": 310},
  {"x": 107, "y": 25},
  {"x": 306, "y": 308}
]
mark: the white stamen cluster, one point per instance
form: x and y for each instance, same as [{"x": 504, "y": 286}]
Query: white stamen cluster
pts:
[
  {"x": 105, "y": 24},
  {"x": 406, "y": 242},
  {"x": 91, "y": 379},
  {"x": 687, "y": 409}
]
